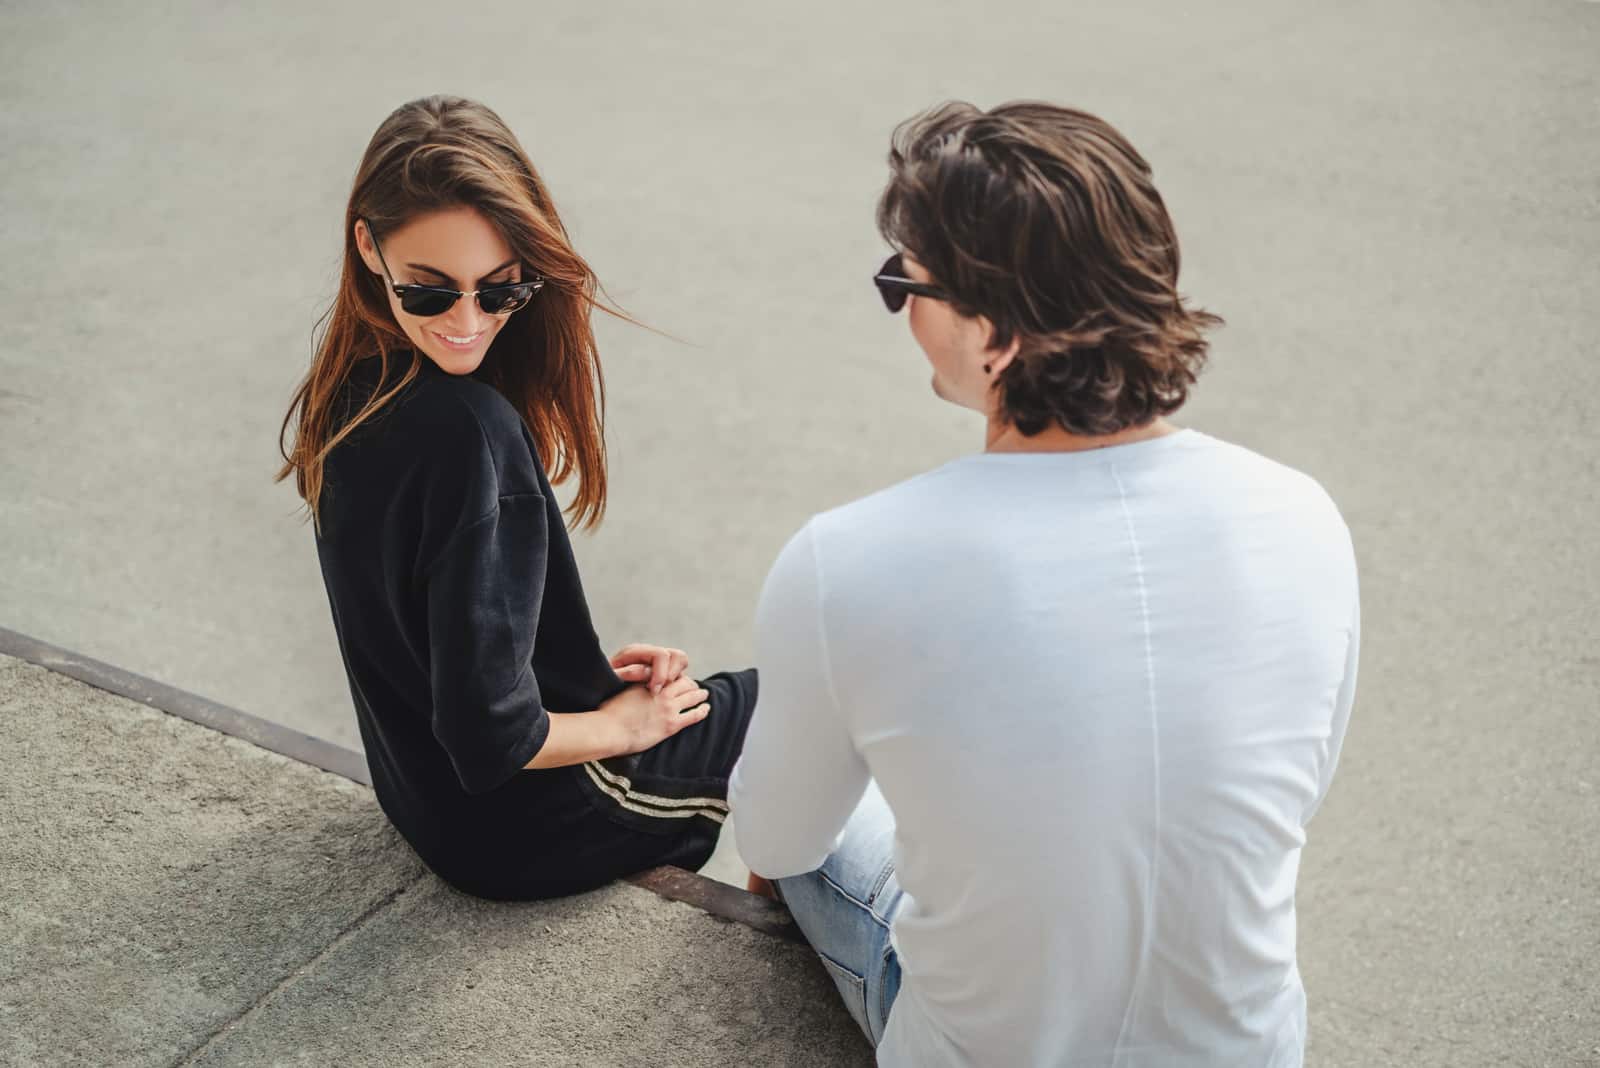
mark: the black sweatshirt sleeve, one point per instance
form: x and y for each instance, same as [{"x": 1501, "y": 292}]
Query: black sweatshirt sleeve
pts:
[
  {"x": 483, "y": 598},
  {"x": 484, "y": 553}
]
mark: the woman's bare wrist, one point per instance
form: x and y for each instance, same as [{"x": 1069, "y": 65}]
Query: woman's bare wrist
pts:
[
  {"x": 614, "y": 736},
  {"x": 579, "y": 737}
]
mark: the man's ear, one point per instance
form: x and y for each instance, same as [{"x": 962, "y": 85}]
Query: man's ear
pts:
[{"x": 997, "y": 360}]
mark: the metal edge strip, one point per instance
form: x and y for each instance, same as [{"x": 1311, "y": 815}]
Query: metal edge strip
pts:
[{"x": 721, "y": 900}]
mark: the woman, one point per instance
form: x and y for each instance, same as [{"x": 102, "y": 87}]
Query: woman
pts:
[{"x": 516, "y": 758}]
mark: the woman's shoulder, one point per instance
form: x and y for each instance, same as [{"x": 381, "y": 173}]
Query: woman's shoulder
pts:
[
  {"x": 462, "y": 403},
  {"x": 457, "y": 422},
  {"x": 464, "y": 410}
]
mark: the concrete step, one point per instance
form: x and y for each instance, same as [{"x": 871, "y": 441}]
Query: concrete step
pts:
[{"x": 173, "y": 894}]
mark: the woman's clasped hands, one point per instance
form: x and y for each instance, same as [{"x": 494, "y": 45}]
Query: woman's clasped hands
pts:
[{"x": 663, "y": 699}]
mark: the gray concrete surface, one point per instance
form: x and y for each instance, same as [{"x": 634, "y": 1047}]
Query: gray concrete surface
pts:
[
  {"x": 1395, "y": 205},
  {"x": 170, "y": 895}
]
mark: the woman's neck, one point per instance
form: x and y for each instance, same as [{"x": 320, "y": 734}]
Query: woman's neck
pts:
[{"x": 1005, "y": 437}]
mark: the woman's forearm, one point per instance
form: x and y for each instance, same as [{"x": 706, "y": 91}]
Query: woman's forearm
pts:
[
  {"x": 630, "y": 721},
  {"x": 578, "y": 737}
]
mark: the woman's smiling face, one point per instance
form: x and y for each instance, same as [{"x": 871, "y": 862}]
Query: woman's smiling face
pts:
[{"x": 458, "y": 248}]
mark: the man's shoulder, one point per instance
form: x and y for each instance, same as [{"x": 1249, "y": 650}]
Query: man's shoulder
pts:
[
  {"x": 885, "y": 509},
  {"x": 870, "y": 533},
  {"x": 1243, "y": 466},
  {"x": 1294, "y": 503}
]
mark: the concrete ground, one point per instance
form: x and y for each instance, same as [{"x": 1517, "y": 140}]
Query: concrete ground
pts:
[
  {"x": 173, "y": 896},
  {"x": 1395, "y": 206}
]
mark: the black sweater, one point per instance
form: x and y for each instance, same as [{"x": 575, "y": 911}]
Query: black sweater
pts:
[{"x": 461, "y": 620}]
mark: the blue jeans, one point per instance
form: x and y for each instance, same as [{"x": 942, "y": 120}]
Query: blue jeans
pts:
[{"x": 845, "y": 909}]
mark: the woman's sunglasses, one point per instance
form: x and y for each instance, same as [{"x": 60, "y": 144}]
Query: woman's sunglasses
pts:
[
  {"x": 427, "y": 301},
  {"x": 893, "y": 285}
]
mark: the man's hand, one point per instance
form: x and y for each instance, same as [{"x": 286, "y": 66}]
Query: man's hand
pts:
[{"x": 654, "y": 665}]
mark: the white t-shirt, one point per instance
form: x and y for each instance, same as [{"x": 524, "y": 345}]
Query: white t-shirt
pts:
[{"x": 1102, "y": 693}]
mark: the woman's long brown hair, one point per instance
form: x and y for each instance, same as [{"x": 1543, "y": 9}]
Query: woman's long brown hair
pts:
[{"x": 442, "y": 152}]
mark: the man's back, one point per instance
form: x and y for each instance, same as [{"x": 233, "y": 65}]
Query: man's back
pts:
[{"x": 1101, "y": 691}]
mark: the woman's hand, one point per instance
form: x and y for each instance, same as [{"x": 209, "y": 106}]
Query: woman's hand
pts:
[
  {"x": 654, "y": 664},
  {"x": 644, "y": 719}
]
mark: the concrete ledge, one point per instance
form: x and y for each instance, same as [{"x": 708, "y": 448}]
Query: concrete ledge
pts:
[
  {"x": 173, "y": 894},
  {"x": 268, "y": 735},
  {"x": 718, "y": 899}
]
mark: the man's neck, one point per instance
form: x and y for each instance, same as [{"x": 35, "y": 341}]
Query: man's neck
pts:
[{"x": 1005, "y": 437}]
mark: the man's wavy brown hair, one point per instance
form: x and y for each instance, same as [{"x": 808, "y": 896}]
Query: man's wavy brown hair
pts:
[
  {"x": 443, "y": 152},
  {"x": 1044, "y": 220}
]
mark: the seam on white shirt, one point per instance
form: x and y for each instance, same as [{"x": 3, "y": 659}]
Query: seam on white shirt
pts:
[
  {"x": 1147, "y": 935},
  {"x": 822, "y": 630}
]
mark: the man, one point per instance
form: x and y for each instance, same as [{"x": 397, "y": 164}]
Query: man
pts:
[{"x": 1040, "y": 730}]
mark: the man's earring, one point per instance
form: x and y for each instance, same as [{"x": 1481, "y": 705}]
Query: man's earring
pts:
[{"x": 985, "y": 368}]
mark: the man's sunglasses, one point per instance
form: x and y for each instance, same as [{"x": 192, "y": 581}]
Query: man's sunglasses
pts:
[
  {"x": 426, "y": 301},
  {"x": 893, "y": 285}
]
